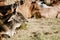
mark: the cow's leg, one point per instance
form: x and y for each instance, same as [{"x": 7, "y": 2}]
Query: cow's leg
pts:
[
  {"x": 0, "y": 36},
  {"x": 7, "y": 31},
  {"x": 14, "y": 27}
]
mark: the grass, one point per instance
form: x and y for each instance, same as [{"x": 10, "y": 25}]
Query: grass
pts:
[{"x": 38, "y": 29}]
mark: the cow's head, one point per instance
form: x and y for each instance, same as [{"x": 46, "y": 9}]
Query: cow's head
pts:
[{"x": 17, "y": 17}]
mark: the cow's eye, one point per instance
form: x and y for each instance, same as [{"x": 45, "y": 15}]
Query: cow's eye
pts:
[{"x": 21, "y": 2}]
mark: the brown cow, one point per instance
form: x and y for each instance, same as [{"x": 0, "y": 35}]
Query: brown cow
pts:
[
  {"x": 8, "y": 20},
  {"x": 48, "y": 12}
]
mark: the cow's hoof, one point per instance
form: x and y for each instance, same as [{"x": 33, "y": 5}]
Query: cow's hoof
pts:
[
  {"x": 8, "y": 33},
  {"x": 5, "y": 36}
]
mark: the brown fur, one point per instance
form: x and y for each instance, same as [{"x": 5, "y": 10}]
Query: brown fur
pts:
[
  {"x": 35, "y": 10},
  {"x": 2, "y": 0},
  {"x": 0, "y": 36},
  {"x": 2, "y": 3},
  {"x": 25, "y": 9},
  {"x": 3, "y": 26}
]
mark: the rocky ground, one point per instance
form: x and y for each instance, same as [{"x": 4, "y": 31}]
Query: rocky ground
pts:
[{"x": 38, "y": 29}]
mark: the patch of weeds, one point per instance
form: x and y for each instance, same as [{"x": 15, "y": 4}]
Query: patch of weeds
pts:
[
  {"x": 55, "y": 28},
  {"x": 36, "y": 36},
  {"x": 47, "y": 33},
  {"x": 56, "y": 32},
  {"x": 23, "y": 26},
  {"x": 54, "y": 37}
]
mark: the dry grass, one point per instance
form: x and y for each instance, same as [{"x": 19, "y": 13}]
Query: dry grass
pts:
[{"x": 38, "y": 29}]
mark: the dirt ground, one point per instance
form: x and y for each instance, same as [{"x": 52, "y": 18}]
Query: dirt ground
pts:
[{"x": 38, "y": 29}]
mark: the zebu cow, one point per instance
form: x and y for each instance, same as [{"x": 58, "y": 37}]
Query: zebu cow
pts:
[
  {"x": 49, "y": 10},
  {"x": 10, "y": 19},
  {"x": 44, "y": 10}
]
